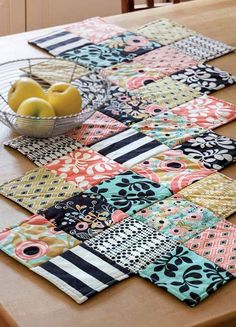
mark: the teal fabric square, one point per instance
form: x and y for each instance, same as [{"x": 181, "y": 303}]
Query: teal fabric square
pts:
[
  {"x": 188, "y": 276},
  {"x": 129, "y": 192},
  {"x": 177, "y": 217}
]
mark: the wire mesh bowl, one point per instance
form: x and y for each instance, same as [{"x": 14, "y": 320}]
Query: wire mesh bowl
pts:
[{"x": 70, "y": 72}]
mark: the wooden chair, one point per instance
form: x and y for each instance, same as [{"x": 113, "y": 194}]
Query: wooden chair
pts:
[{"x": 129, "y": 5}]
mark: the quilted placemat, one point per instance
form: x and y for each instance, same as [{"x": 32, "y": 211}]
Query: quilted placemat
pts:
[
  {"x": 207, "y": 111},
  {"x": 216, "y": 192},
  {"x": 173, "y": 169},
  {"x": 42, "y": 151},
  {"x": 203, "y": 48},
  {"x": 165, "y": 31},
  {"x": 177, "y": 217}
]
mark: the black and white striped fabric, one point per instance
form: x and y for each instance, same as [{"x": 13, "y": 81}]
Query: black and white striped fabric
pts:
[
  {"x": 59, "y": 41},
  {"x": 81, "y": 272},
  {"x": 129, "y": 147}
]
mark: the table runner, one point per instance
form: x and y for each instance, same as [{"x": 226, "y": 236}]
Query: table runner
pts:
[{"x": 113, "y": 214}]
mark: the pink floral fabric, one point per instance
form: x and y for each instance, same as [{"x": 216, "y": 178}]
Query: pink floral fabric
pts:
[
  {"x": 131, "y": 75},
  {"x": 85, "y": 168},
  {"x": 95, "y": 29},
  {"x": 217, "y": 244},
  {"x": 172, "y": 169},
  {"x": 167, "y": 60},
  {"x": 96, "y": 128},
  {"x": 207, "y": 111}
]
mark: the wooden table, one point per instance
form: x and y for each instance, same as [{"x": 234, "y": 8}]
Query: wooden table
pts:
[{"x": 32, "y": 301}]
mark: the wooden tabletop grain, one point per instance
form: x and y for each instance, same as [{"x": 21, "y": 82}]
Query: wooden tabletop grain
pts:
[{"x": 33, "y": 302}]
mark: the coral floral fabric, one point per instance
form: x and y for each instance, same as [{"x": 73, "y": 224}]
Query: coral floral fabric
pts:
[{"x": 85, "y": 167}]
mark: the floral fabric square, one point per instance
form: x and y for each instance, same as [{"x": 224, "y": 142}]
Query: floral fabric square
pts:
[
  {"x": 186, "y": 275},
  {"x": 207, "y": 111},
  {"x": 129, "y": 192},
  {"x": 177, "y": 217},
  {"x": 81, "y": 273},
  {"x": 85, "y": 168},
  {"x": 165, "y": 31},
  {"x": 129, "y": 147},
  {"x": 95, "y": 29},
  {"x": 96, "y": 56},
  {"x": 35, "y": 241},
  {"x": 203, "y": 48},
  {"x": 131, "y": 44},
  {"x": 217, "y": 244},
  {"x": 42, "y": 151},
  {"x": 167, "y": 93},
  {"x": 37, "y": 189},
  {"x": 215, "y": 192},
  {"x": 55, "y": 70},
  {"x": 168, "y": 128},
  {"x": 167, "y": 60},
  {"x": 96, "y": 128},
  {"x": 59, "y": 42},
  {"x": 83, "y": 216},
  {"x": 131, "y": 75},
  {"x": 213, "y": 150},
  {"x": 172, "y": 169},
  {"x": 204, "y": 78},
  {"x": 131, "y": 244}
]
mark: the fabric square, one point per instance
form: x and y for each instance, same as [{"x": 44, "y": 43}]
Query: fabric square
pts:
[
  {"x": 85, "y": 168},
  {"x": 213, "y": 150},
  {"x": 168, "y": 128},
  {"x": 167, "y": 60},
  {"x": 204, "y": 78},
  {"x": 165, "y": 31},
  {"x": 83, "y": 216},
  {"x": 172, "y": 169},
  {"x": 129, "y": 192},
  {"x": 59, "y": 42},
  {"x": 55, "y": 70},
  {"x": 38, "y": 189},
  {"x": 131, "y": 44},
  {"x": 96, "y": 128},
  {"x": 167, "y": 93},
  {"x": 81, "y": 273},
  {"x": 203, "y": 48},
  {"x": 207, "y": 111},
  {"x": 95, "y": 56},
  {"x": 132, "y": 244},
  {"x": 42, "y": 151},
  {"x": 35, "y": 241},
  {"x": 129, "y": 147},
  {"x": 186, "y": 275},
  {"x": 217, "y": 244},
  {"x": 95, "y": 29},
  {"x": 216, "y": 192},
  {"x": 177, "y": 217},
  {"x": 128, "y": 108},
  {"x": 131, "y": 75}
]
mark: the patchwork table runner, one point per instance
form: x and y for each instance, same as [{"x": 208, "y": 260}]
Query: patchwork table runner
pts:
[{"x": 136, "y": 189}]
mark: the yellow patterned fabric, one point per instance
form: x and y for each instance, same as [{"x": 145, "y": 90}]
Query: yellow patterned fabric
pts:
[
  {"x": 55, "y": 70},
  {"x": 38, "y": 189},
  {"x": 165, "y": 31},
  {"x": 216, "y": 192},
  {"x": 167, "y": 93}
]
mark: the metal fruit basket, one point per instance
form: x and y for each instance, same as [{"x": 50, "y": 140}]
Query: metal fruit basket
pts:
[{"x": 43, "y": 127}]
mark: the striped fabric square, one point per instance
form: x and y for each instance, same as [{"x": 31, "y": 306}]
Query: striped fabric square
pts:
[
  {"x": 132, "y": 244},
  {"x": 203, "y": 48},
  {"x": 129, "y": 147},
  {"x": 43, "y": 151},
  {"x": 81, "y": 273},
  {"x": 96, "y": 128},
  {"x": 58, "y": 42}
]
